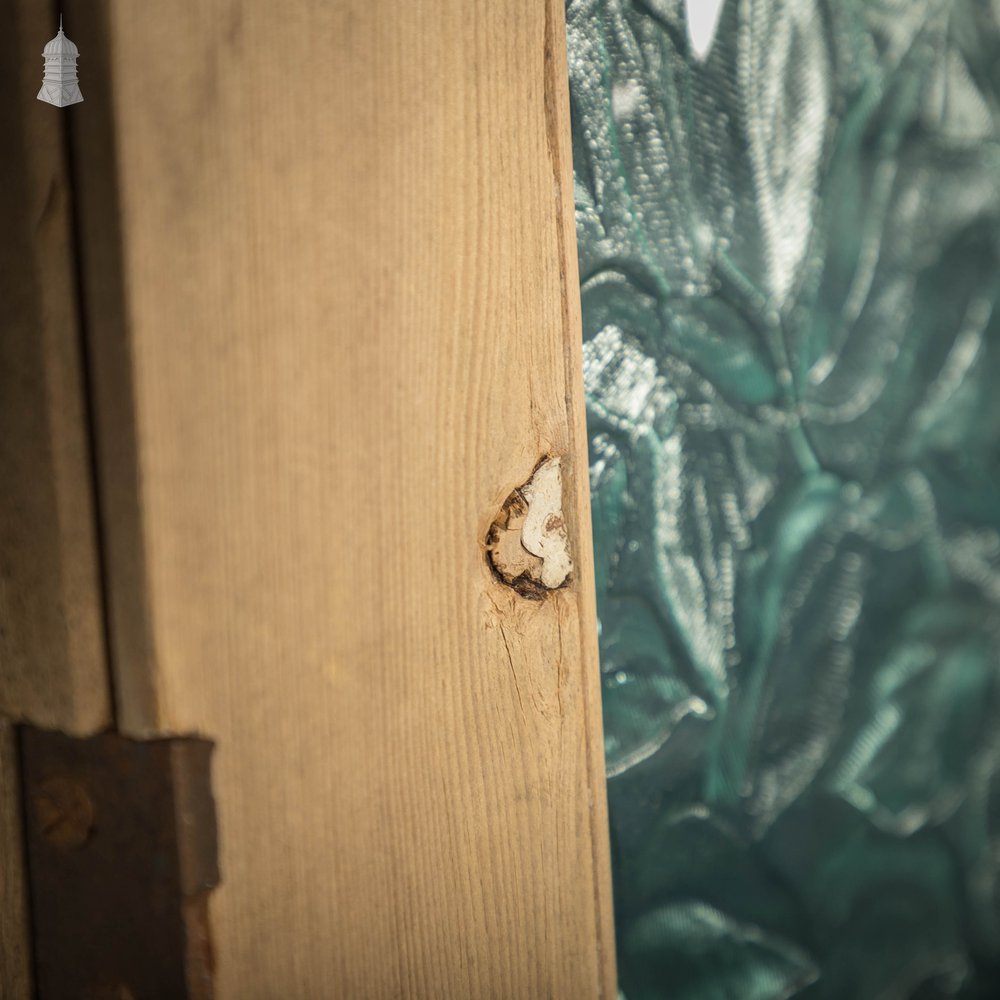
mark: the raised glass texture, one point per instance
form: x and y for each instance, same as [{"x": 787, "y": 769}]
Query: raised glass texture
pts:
[{"x": 787, "y": 214}]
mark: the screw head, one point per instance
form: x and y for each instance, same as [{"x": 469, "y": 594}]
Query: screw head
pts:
[{"x": 65, "y": 812}]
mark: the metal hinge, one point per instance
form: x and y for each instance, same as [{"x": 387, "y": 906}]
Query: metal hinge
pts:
[{"x": 122, "y": 855}]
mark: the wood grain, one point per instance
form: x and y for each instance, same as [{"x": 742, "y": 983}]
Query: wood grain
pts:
[
  {"x": 52, "y": 660},
  {"x": 348, "y": 330},
  {"x": 15, "y": 965}
]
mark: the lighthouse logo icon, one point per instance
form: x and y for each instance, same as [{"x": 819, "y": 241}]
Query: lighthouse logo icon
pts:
[{"x": 59, "y": 86}]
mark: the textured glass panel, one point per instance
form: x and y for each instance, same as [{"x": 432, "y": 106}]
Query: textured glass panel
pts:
[{"x": 788, "y": 224}]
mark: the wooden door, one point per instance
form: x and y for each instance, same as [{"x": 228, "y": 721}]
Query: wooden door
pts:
[{"x": 327, "y": 282}]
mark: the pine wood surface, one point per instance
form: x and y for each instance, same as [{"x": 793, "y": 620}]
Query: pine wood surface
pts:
[{"x": 347, "y": 330}]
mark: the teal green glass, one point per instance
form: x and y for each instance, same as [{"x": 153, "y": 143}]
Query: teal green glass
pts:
[{"x": 790, "y": 258}]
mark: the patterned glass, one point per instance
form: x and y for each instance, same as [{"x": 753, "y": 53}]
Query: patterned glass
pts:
[{"x": 788, "y": 215}]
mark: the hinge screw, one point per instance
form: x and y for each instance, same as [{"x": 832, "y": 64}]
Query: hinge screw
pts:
[{"x": 65, "y": 812}]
